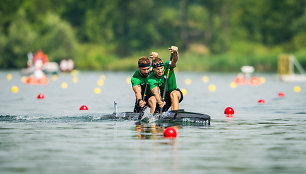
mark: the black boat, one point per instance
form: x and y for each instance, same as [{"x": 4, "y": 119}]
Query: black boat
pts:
[{"x": 178, "y": 116}]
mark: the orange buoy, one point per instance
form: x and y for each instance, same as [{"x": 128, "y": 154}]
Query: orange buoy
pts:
[
  {"x": 255, "y": 81},
  {"x": 240, "y": 80},
  {"x": 31, "y": 80}
]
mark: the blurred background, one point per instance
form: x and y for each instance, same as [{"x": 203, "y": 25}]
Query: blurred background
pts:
[{"x": 110, "y": 35}]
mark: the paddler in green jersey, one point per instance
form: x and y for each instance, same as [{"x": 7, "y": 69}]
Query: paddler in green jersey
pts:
[
  {"x": 157, "y": 81},
  {"x": 139, "y": 80}
]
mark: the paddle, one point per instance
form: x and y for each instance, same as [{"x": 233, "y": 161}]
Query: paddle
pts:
[
  {"x": 145, "y": 91},
  {"x": 167, "y": 77}
]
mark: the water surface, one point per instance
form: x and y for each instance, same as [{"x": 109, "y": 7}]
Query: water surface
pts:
[{"x": 53, "y": 136}]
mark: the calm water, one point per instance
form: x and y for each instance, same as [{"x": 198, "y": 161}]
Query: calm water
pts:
[{"x": 53, "y": 136}]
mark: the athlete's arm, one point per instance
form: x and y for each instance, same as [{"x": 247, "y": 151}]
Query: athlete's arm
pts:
[
  {"x": 174, "y": 49},
  {"x": 156, "y": 93},
  {"x": 137, "y": 91}
]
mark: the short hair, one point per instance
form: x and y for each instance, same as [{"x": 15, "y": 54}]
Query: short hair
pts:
[
  {"x": 143, "y": 61},
  {"x": 157, "y": 60}
]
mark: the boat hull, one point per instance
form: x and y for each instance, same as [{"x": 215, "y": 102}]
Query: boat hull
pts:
[{"x": 167, "y": 117}]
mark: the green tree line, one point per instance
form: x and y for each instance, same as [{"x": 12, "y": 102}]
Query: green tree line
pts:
[{"x": 212, "y": 35}]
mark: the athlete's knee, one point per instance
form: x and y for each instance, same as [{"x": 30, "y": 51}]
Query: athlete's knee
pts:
[
  {"x": 175, "y": 94},
  {"x": 152, "y": 101}
]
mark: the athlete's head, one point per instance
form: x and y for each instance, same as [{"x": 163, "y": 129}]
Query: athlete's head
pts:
[
  {"x": 158, "y": 67},
  {"x": 144, "y": 66}
]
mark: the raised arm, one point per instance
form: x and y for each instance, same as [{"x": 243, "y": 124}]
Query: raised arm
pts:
[{"x": 174, "y": 49}]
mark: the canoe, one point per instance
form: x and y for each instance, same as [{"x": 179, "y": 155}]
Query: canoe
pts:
[{"x": 179, "y": 116}]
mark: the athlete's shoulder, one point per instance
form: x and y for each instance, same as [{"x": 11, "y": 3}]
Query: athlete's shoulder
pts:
[
  {"x": 136, "y": 73},
  {"x": 152, "y": 78}
]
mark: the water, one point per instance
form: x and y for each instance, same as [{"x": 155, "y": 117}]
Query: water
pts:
[{"x": 53, "y": 136}]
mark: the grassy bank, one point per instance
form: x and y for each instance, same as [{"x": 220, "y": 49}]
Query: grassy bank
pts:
[{"x": 95, "y": 57}]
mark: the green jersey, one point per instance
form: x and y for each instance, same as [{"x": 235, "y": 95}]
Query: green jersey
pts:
[
  {"x": 138, "y": 79},
  {"x": 160, "y": 82}
]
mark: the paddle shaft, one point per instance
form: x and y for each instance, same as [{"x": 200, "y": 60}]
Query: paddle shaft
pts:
[{"x": 166, "y": 83}]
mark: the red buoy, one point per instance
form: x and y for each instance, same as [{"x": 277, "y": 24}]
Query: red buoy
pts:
[
  {"x": 229, "y": 112},
  {"x": 83, "y": 107},
  {"x": 40, "y": 96},
  {"x": 170, "y": 133},
  {"x": 261, "y": 101},
  {"x": 281, "y": 94}
]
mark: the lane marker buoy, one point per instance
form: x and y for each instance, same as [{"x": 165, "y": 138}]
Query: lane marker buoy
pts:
[
  {"x": 212, "y": 88},
  {"x": 297, "y": 89},
  {"x": 229, "y": 112},
  {"x": 170, "y": 132},
  {"x": 64, "y": 85},
  {"x": 83, "y": 108},
  {"x": 14, "y": 89},
  {"x": 205, "y": 79},
  {"x": 128, "y": 80},
  {"x": 188, "y": 81},
  {"x": 40, "y": 96},
  {"x": 261, "y": 101},
  {"x": 184, "y": 91},
  {"x": 281, "y": 94},
  {"x": 97, "y": 90},
  {"x": 233, "y": 85},
  {"x": 75, "y": 79},
  {"x": 100, "y": 82},
  {"x": 9, "y": 76}
]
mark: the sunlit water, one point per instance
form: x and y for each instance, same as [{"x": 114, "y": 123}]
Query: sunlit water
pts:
[{"x": 53, "y": 136}]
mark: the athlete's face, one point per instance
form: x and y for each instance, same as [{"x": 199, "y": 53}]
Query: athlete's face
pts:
[
  {"x": 159, "y": 71},
  {"x": 145, "y": 71}
]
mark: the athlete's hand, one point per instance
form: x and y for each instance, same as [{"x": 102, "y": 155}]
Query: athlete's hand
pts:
[
  {"x": 153, "y": 55},
  {"x": 161, "y": 104},
  {"x": 142, "y": 103},
  {"x": 173, "y": 49}
]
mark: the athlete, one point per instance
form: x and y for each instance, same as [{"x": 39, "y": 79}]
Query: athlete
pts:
[
  {"x": 157, "y": 81},
  {"x": 139, "y": 81}
]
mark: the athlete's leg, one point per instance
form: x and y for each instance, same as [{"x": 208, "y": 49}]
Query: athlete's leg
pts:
[
  {"x": 152, "y": 104},
  {"x": 175, "y": 98}
]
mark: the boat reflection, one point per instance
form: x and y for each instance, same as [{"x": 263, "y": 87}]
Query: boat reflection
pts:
[{"x": 152, "y": 131}]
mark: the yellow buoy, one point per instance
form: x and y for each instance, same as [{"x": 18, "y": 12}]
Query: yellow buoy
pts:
[
  {"x": 100, "y": 82},
  {"x": 297, "y": 89},
  {"x": 97, "y": 90},
  {"x": 205, "y": 79},
  {"x": 102, "y": 77},
  {"x": 233, "y": 85},
  {"x": 64, "y": 85},
  {"x": 9, "y": 76},
  {"x": 128, "y": 80},
  {"x": 188, "y": 81},
  {"x": 14, "y": 89},
  {"x": 23, "y": 79},
  {"x": 184, "y": 91},
  {"x": 212, "y": 88},
  {"x": 54, "y": 77},
  {"x": 74, "y": 72},
  {"x": 75, "y": 79},
  {"x": 262, "y": 80}
]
